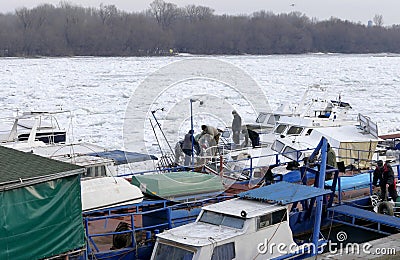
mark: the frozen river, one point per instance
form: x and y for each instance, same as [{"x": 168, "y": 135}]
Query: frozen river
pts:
[{"x": 97, "y": 91}]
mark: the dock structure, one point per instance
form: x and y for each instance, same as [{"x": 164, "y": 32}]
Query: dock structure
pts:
[{"x": 364, "y": 219}]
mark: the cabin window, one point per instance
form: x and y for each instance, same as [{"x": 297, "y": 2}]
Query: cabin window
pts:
[
  {"x": 278, "y": 216},
  {"x": 272, "y": 120},
  {"x": 280, "y": 128},
  {"x": 264, "y": 221},
  {"x": 165, "y": 251},
  {"x": 292, "y": 153},
  {"x": 295, "y": 130},
  {"x": 277, "y": 146},
  {"x": 219, "y": 219},
  {"x": 271, "y": 219},
  {"x": 261, "y": 118},
  {"x": 309, "y": 131},
  {"x": 224, "y": 252}
]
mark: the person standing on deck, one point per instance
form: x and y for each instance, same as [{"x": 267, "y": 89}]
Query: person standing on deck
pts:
[
  {"x": 214, "y": 132},
  {"x": 330, "y": 160},
  {"x": 236, "y": 127},
  {"x": 331, "y": 157},
  {"x": 187, "y": 146},
  {"x": 253, "y": 136},
  {"x": 384, "y": 173}
]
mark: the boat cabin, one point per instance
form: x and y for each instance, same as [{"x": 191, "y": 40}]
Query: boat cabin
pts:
[
  {"x": 351, "y": 143},
  {"x": 233, "y": 229},
  {"x": 33, "y": 126}
]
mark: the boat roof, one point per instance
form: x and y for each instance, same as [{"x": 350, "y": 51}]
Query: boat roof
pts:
[
  {"x": 205, "y": 234},
  {"x": 19, "y": 169},
  {"x": 124, "y": 157},
  {"x": 390, "y": 136},
  {"x": 234, "y": 207},
  {"x": 283, "y": 193},
  {"x": 346, "y": 133},
  {"x": 84, "y": 160},
  {"x": 314, "y": 122},
  {"x": 54, "y": 150},
  {"x": 106, "y": 192}
]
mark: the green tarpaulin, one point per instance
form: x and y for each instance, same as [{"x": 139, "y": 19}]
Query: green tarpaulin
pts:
[
  {"x": 41, "y": 220},
  {"x": 170, "y": 185}
]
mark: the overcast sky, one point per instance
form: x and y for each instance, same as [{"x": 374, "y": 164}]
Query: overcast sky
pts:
[{"x": 353, "y": 10}]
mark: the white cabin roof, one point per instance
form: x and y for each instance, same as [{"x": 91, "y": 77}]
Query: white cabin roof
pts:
[
  {"x": 199, "y": 234},
  {"x": 104, "y": 192},
  {"x": 345, "y": 134},
  {"x": 234, "y": 207}
]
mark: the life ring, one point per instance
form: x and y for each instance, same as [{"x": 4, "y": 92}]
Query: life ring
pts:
[{"x": 385, "y": 208}]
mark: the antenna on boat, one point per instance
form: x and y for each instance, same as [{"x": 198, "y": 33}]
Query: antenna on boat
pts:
[
  {"x": 158, "y": 143},
  {"x": 159, "y": 126}
]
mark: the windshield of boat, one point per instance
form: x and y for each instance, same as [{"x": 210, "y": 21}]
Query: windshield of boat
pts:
[
  {"x": 277, "y": 146},
  {"x": 261, "y": 117},
  {"x": 220, "y": 219},
  {"x": 292, "y": 153},
  {"x": 166, "y": 251},
  {"x": 295, "y": 130},
  {"x": 280, "y": 128}
]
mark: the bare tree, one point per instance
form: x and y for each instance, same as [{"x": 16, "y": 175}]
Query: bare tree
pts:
[
  {"x": 107, "y": 12},
  {"x": 198, "y": 13},
  {"x": 378, "y": 20},
  {"x": 164, "y": 12}
]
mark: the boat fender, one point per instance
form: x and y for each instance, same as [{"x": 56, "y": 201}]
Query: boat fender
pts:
[
  {"x": 124, "y": 239},
  {"x": 243, "y": 214},
  {"x": 385, "y": 208}
]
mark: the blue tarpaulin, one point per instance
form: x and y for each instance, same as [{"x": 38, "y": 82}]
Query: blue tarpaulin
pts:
[
  {"x": 122, "y": 157},
  {"x": 283, "y": 193},
  {"x": 352, "y": 182}
]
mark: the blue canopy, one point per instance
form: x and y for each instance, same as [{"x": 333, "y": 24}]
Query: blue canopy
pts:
[
  {"x": 122, "y": 157},
  {"x": 283, "y": 193},
  {"x": 352, "y": 182}
]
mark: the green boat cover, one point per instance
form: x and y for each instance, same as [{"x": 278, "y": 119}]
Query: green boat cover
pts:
[
  {"x": 41, "y": 220},
  {"x": 40, "y": 206},
  {"x": 170, "y": 185}
]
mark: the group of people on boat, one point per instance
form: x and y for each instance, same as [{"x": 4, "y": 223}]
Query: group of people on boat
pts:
[
  {"x": 190, "y": 143},
  {"x": 248, "y": 133}
]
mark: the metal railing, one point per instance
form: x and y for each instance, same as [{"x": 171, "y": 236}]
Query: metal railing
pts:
[{"x": 158, "y": 214}]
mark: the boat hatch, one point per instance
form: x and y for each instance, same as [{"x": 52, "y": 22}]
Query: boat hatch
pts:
[{"x": 283, "y": 193}]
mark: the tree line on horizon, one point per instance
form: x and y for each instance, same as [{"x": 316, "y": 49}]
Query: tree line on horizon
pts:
[{"x": 164, "y": 29}]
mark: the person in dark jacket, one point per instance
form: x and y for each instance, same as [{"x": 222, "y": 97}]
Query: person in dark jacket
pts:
[
  {"x": 189, "y": 143},
  {"x": 236, "y": 127},
  {"x": 253, "y": 136},
  {"x": 384, "y": 174},
  {"x": 331, "y": 157}
]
